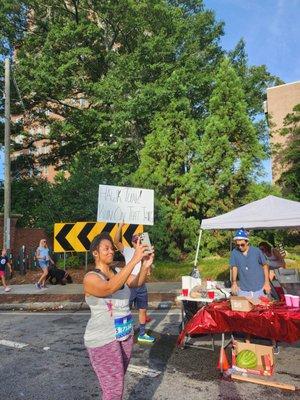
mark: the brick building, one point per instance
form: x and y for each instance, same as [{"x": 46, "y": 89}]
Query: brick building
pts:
[
  {"x": 29, "y": 237},
  {"x": 40, "y": 147},
  {"x": 280, "y": 101}
]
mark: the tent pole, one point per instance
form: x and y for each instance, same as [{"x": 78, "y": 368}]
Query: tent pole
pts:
[
  {"x": 198, "y": 247},
  {"x": 231, "y": 246}
]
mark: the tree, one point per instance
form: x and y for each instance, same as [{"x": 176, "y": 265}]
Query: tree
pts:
[
  {"x": 255, "y": 79},
  {"x": 124, "y": 90},
  {"x": 12, "y": 28},
  {"x": 69, "y": 198},
  {"x": 32, "y": 199},
  {"x": 290, "y": 178},
  {"x": 105, "y": 68},
  {"x": 167, "y": 164},
  {"x": 230, "y": 149}
]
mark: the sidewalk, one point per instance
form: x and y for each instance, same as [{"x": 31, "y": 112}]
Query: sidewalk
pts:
[{"x": 28, "y": 297}]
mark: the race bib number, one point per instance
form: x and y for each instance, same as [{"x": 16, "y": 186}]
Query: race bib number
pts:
[{"x": 123, "y": 327}]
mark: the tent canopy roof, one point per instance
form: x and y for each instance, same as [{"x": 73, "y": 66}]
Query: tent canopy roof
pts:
[{"x": 270, "y": 212}]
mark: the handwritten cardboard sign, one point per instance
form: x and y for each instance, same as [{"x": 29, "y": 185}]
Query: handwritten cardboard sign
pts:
[{"x": 130, "y": 205}]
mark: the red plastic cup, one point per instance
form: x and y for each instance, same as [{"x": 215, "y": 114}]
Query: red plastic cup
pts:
[
  {"x": 185, "y": 292},
  {"x": 211, "y": 294}
]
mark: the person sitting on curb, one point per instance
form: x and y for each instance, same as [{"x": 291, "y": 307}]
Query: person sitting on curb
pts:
[
  {"x": 3, "y": 263},
  {"x": 250, "y": 265},
  {"x": 44, "y": 259},
  {"x": 139, "y": 296}
]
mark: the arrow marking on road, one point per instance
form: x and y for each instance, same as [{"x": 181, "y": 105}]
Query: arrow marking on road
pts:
[{"x": 15, "y": 345}]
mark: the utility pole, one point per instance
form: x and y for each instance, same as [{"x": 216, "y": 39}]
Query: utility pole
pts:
[{"x": 7, "y": 194}]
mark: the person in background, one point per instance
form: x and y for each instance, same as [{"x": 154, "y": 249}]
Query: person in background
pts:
[
  {"x": 249, "y": 264},
  {"x": 274, "y": 258},
  {"x": 44, "y": 259},
  {"x": 139, "y": 296},
  {"x": 109, "y": 332},
  {"x": 3, "y": 263}
]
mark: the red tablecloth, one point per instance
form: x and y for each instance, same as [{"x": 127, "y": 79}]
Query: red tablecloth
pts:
[{"x": 277, "y": 322}]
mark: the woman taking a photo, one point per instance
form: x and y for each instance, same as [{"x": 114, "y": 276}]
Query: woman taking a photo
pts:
[
  {"x": 43, "y": 258},
  {"x": 109, "y": 332}
]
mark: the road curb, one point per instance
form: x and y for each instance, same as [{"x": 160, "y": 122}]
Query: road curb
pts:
[{"x": 73, "y": 306}]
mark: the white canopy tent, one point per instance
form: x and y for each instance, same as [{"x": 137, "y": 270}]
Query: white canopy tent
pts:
[{"x": 270, "y": 212}]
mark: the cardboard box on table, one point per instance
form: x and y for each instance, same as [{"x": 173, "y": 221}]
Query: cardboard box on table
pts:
[
  {"x": 240, "y": 303},
  {"x": 264, "y": 354}
]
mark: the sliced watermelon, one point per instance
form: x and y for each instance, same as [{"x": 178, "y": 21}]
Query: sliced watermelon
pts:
[{"x": 246, "y": 359}]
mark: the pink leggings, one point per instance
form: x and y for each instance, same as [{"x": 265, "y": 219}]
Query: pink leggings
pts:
[{"x": 110, "y": 363}]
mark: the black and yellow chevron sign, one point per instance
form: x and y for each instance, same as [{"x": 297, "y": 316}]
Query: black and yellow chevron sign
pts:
[{"x": 77, "y": 236}]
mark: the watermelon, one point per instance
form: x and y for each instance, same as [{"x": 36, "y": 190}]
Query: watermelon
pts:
[{"x": 246, "y": 359}]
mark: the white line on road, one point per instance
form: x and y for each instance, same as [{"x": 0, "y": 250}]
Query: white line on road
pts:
[
  {"x": 137, "y": 369},
  {"x": 15, "y": 345}
]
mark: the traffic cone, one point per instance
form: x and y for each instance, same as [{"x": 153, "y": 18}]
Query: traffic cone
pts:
[{"x": 225, "y": 363}]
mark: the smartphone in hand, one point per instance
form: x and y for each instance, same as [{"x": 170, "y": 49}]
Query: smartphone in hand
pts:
[{"x": 145, "y": 239}]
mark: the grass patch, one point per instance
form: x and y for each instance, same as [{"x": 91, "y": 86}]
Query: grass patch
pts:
[
  {"x": 294, "y": 254},
  {"x": 216, "y": 268}
]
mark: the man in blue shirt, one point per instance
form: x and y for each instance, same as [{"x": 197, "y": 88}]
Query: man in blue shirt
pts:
[{"x": 249, "y": 264}]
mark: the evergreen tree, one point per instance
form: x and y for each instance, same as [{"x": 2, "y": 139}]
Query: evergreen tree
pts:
[
  {"x": 230, "y": 149},
  {"x": 167, "y": 165},
  {"x": 290, "y": 155}
]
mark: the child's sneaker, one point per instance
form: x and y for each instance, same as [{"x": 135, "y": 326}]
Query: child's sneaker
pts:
[
  {"x": 7, "y": 289},
  {"x": 146, "y": 338},
  {"x": 38, "y": 286}
]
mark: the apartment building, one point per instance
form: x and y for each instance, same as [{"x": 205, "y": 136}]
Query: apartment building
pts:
[
  {"x": 280, "y": 101},
  {"x": 40, "y": 147}
]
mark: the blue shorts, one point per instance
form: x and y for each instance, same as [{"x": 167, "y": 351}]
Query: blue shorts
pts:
[
  {"x": 139, "y": 297},
  {"x": 254, "y": 295},
  {"x": 43, "y": 264}
]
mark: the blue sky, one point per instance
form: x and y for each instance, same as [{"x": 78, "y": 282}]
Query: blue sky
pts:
[{"x": 271, "y": 29}]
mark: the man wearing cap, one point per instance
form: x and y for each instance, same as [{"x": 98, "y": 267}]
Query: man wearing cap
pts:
[
  {"x": 249, "y": 264},
  {"x": 139, "y": 296}
]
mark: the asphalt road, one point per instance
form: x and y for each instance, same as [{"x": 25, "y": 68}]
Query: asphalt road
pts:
[{"x": 53, "y": 364}]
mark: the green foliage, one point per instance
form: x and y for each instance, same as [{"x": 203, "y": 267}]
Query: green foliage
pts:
[
  {"x": 130, "y": 95},
  {"x": 13, "y": 24},
  {"x": 106, "y": 68},
  {"x": 167, "y": 163},
  {"x": 32, "y": 199},
  {"x": 72, "y": 261},
  {"x": 230, "y": 149},
  {"x": 290, "y": 178},
  {"x": 214, "y": 268},
  {"x": 254, "y": 79}
]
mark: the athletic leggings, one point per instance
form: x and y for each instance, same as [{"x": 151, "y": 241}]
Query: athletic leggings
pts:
[{"x": 110, "y": 363}]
